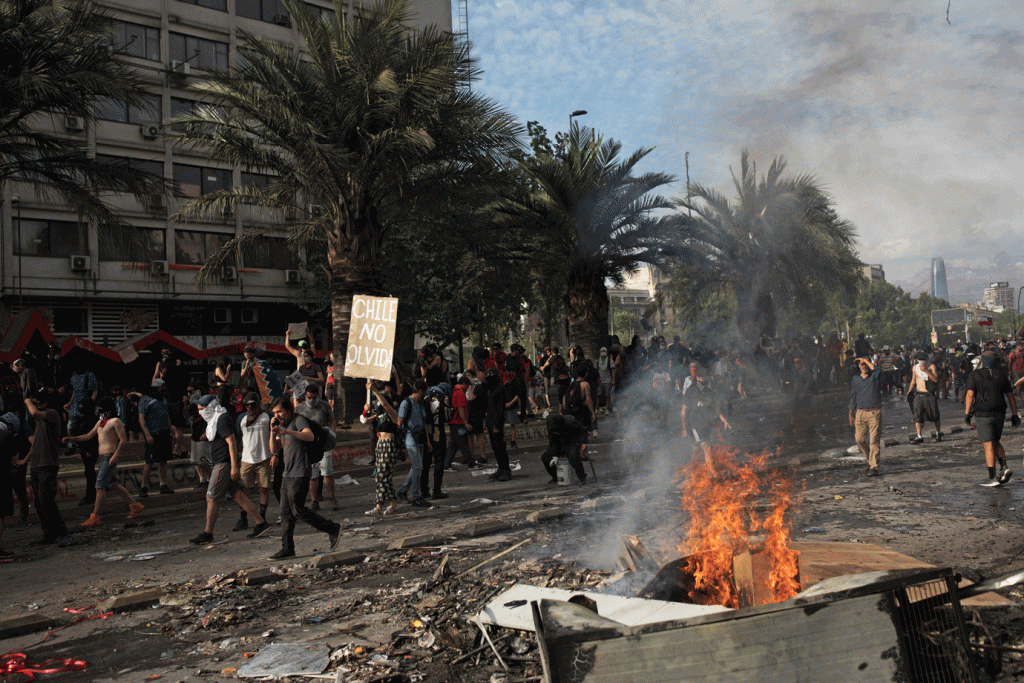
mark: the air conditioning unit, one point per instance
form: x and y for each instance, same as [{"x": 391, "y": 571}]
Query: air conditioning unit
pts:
[
  {"x": 180, "y": 69},
  {"x": 229, "y": 273},
  {"x": 292, "y": 277},
  {"x": 74, "y": 124},
  {"x": 159, "y": 268},
  {"x": 80, "y": 263},
  {"x": 282, "y": 20},
  {"x": 149, "y": 132}
]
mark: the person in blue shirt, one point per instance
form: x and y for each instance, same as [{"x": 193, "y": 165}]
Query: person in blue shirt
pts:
[
  {"x": 154, "y": 419},
  {"x": 411, "y": 420}
]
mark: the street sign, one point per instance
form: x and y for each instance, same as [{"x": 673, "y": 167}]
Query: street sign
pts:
[{"x": 949, "y": 316}]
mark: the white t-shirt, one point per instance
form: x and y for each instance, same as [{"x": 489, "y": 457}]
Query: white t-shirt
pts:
[{"x": 255, "y": 438}]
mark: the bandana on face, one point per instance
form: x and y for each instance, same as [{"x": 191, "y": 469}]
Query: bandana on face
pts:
[{"x": 211, "y": 413}]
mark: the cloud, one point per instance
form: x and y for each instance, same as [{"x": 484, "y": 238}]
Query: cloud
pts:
[{"x": 911, "y": 123}]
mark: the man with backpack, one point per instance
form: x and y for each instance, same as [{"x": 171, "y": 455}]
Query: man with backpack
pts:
[
  {"x": 412, "y": 423},
  {"x": 438, "y": 410},
  {"x": 579, "y": 399},
  {"x": 988, "y": 392},
  {"x": 289, "y": 435}
]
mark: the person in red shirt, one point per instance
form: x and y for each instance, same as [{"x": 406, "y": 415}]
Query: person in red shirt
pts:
[
  {"x": 1016, "y": 362},
  {"x": 458, "y": 425}
]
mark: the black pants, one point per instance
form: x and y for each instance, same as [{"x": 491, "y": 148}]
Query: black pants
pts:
[
  {"x": 44, "y": 488},
  {"x": 18, "y": 476},
  {"x": 456, "y": 442},
  {"x": 293, "y": 507},
  {"x": 434, "y": 457},
  {"x": 278, "y": 477},
  {"x": 497, "y": 438},
  {"x": 89, "y": 463}
]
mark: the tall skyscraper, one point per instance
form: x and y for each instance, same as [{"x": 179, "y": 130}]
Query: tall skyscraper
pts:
[{"x": 939, "y": 290}]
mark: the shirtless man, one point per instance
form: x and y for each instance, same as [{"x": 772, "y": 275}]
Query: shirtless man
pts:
[
  {"x": 110, "y": 432},
  {"x": 924, "y": 379}
]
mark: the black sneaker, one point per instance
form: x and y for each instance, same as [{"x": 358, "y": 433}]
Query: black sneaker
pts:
[
  {"x": 315, "y": 506},
  {"x": 992, "y": 483},
  {"x": 420, "y": 503},
  {"x": 938, "y": 436},
  {"x": 1005, "y": 476},
  {"x": 202, "y": 539},
  {"x": 165, "y": 489},
  {"x": 258, "y": 530},
  {"x": 335, "y": 537},
  {"x": 504, "y": 475},
  {"x": 402, "y": 496},
  {"x": 65, "y": 542},
  {"x": 282, "y": 554},
  {"x": 144, "y": 492},
  {"x": 241, "y": 525},
  {"x": 917, "y": 439},
  {"x": 439, "y": 495},
  {"x": 873, "y": 472}
]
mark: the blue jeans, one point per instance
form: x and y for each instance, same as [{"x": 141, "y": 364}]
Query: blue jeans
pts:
[{"x": 412, "y": 480}]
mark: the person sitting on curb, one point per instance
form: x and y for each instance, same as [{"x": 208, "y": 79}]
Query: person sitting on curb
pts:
[
  {"x": 111, "y": 435},
  {"x": 226, "y": 470}
]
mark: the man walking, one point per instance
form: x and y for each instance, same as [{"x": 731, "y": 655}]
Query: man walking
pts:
[
  {"x": 290, "y": 434},
  {"x": 254, "y": 425},
  {"x": 988, "y": 392},
  {"x": 226, "y": 469},
  {"x": 924, "y": 382},
  {"x": 109, "y": 432},
  {"x": 412, "y": 423},
  {"x": 321, "y": 462},
  {"x": 866, "y": 412},
  {"x": 156, "y": 427},
  {"x": 45, "y": 465}
]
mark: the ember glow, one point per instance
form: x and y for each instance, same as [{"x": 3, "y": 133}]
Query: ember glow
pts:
[{"x": 730, "y": 503}]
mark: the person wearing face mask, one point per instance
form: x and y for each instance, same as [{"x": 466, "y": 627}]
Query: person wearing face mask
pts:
[
  {"x": 497, "y": 405},
  {"x": 988, "y": 392},
  {"x": 317, "y": 410},
  {"x": 110, "y": 436},
  {"x": 305, "y": 354},
  {"x": 226, "y": 475},
  {"x": 924, "y": 383},
  {"x": 606, "y": 370}
]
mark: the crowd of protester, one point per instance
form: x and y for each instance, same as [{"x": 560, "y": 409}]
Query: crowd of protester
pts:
[{"x": 248, "y": 433}]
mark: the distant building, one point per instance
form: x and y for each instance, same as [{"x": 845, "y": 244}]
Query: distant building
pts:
[
  {"x": 873, "y": 272},
  {"x": 638, "y": 294},
  {"x": 939, "y": 290},
  {"x": 998, "y": 297}
]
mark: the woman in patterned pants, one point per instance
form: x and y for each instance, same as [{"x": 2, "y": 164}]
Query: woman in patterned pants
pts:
[{"x": 385, "y": 419}]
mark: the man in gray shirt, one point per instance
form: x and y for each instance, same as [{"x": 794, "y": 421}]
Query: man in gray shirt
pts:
[
  {"x": 289, "y": 434},
  {"x": 866, "y": 412},
  {"x": 315, "y": 409}
]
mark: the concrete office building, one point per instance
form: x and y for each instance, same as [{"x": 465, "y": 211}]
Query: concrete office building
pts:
[
  {"x": 54, "y": 262},
  {"x": 998, "y": 297}
]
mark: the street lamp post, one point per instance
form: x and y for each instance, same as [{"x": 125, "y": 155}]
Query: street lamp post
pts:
[{"x": 578, "y": 112}]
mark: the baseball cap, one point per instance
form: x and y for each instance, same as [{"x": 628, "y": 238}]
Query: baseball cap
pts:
[
  {"x": 207, "y": 400},
  {"x": 158, "y": 383},
  {"x": 18, "y": 363},
  {"x": 251, "y": 399}
]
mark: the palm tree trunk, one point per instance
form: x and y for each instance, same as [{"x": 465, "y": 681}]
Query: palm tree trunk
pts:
[
  {"x": 349, "y": 277},
  {"x": 586, "y": 309}
]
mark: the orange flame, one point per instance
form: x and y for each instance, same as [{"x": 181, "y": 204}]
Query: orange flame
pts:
[{"x": 721, "y": 495}]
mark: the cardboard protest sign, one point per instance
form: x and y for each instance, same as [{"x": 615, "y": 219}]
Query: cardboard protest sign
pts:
[{"x": 371, "y": 337}]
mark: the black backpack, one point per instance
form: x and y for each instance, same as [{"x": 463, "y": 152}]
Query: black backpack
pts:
[
  {"x": 574, "y": 399},
  {"x": 322, "y": 441}
]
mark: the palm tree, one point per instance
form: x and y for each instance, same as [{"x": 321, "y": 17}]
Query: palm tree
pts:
[
  {"x": 779, "y": 243},
  {"x": 56, "y": 61},
  {"x": 588, "y": 223},
  {"x": 369, "y": 120}
]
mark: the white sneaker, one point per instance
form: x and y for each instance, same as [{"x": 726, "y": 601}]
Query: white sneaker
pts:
[{"x": 373, "y": 512}]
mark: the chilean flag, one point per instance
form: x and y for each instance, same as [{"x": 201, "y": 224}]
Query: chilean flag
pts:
[{"x": 985, "y": 321}]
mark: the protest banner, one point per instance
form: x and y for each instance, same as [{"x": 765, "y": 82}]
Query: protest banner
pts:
[{"x": 371, "y": 337}]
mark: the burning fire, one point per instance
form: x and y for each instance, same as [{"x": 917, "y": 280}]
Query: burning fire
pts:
[{"x": 722, "y": 497}]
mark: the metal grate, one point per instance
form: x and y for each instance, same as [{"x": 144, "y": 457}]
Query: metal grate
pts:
[{"x": 931, "y": 628}]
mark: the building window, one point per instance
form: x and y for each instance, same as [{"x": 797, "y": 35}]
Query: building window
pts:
[
  {"x": 199, "y": 52},
  {"x": 51, "y": 238},
  {"x": 193, "y": 248},
  {"x": 221, "y": 5},
  {"x": 264, "y": 10},
  {"x": 195, "y": 181},
  {"x": 112, "y": 249},
  {"x": 270, "y": 252},
  {"x": 150, "y": 166},
  {"x": 316, "y": 12},
  {"x": 145, "y": 113},
  {"x": 69, "y": 320},
  {"x": 136, "y": 41}
]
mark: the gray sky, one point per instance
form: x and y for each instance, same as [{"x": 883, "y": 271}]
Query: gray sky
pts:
[{"x": 912, "y": 124}]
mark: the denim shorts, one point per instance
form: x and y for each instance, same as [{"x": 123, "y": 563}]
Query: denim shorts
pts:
[{"x": 106, "y": 474}]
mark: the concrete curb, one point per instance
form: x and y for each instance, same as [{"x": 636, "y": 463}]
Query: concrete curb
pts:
[
  {"x": 130, "y": 602},
  {"x": 24, "y": 625}
]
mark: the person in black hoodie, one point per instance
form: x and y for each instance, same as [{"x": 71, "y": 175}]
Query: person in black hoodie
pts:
[
  {"x": 494, "y": 422},
  {"x": 988, "y": 391}
]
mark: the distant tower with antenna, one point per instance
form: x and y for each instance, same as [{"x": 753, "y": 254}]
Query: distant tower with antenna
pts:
[{"x": 939, "y": 289}]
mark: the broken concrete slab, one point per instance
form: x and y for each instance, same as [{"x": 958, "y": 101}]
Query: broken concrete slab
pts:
[
  {"x": 485, "y": 528},
  {"x": 278, "y": 660},
  {"x": 346, "y": 558},
  {"x": 130, "y": 602},
  {"x": 547, "y": 515},
  {"x": 890, "y": 442},
  {"x": 833, "y": 454},
  {"x": 601, "y": 504},
  {"x": 418, "y": 541},
  {"x": 24, "y": 624},
  {"x": 258, "y": 576}
]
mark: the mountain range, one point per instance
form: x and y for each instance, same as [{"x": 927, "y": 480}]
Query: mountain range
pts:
[{"x": 966, "y": 281}]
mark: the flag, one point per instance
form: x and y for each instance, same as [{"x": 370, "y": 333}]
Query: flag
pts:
[{"x": 987, "y": 321}]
